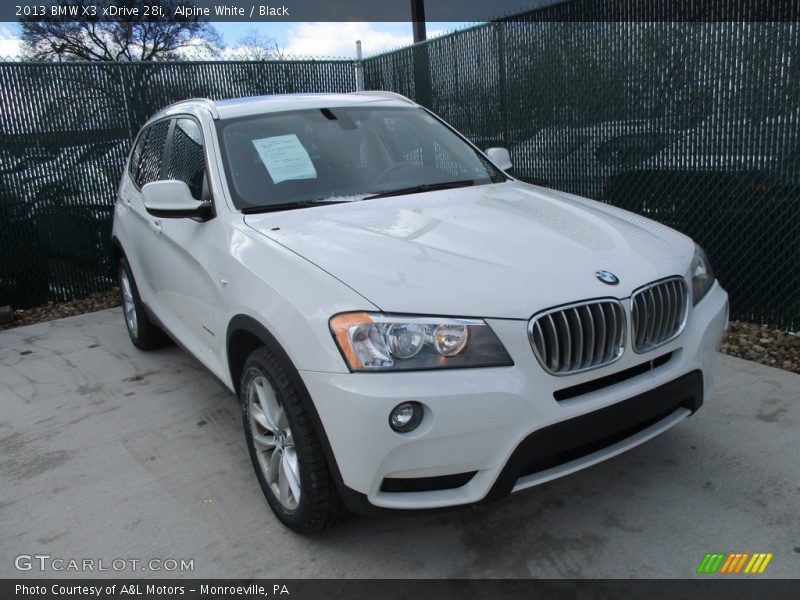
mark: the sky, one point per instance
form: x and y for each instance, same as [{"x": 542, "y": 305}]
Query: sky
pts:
[
  {"x": 9, "y": 46},
  {"x": 322, "y": 39},
  {"x": 333, "y": 39}
]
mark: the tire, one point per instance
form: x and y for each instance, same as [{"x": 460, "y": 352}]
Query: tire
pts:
[
  {"x": 144, "y": 334},
  {"x": 297, "y": 483}
]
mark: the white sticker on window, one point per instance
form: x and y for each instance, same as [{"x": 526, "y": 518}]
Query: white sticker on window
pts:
[{"x": 285, "y": 158}]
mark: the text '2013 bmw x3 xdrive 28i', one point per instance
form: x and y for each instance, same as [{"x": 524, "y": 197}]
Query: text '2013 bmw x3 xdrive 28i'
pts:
[{"x": 405, "y": 325}]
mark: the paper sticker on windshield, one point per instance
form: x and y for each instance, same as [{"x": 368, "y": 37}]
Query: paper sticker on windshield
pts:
[{"x": 285, "y": 158}]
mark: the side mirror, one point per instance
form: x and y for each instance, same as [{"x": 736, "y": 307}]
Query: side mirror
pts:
[
  {"x": 172, "y": 199},
  {"x": 500, "y": 157}
]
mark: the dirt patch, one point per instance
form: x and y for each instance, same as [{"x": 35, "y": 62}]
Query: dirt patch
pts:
[
  {"x": 764, "y": 345},
  {"x": 59, "y": 310}
]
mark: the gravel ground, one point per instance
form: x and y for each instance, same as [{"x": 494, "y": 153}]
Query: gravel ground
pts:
[
  {"x": 759, "y": 343},
  {"x": 764, "y": 345},
  {"x": 53, "y": 310}
]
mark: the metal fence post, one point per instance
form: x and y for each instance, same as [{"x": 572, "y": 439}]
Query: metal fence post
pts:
[
  {"x": 124, "y": 92},
  {"x": 359, "y": 68},
  {"x": 502, "y": 83}
]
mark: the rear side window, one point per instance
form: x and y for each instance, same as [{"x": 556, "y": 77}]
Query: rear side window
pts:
[
  {"x": 146, "y": 156},
  {"x": 187, "y": 160}
]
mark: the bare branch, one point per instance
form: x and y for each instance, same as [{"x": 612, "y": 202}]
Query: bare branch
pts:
[
  {"x": 254, "y": 45},
  {"x": 100, "y": 39}
]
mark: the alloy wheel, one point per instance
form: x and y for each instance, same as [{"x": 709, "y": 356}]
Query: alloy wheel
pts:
[
  {"x": 128, "y": 305},
  {"x": 274, "y": 443}
]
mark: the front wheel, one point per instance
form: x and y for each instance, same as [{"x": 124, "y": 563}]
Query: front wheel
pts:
[{"x": 284, "y": 448}]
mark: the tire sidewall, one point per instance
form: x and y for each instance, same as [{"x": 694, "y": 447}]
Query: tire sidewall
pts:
[
  {"x": 124, "y": 267},
  {"x": 301, "y": 516}
]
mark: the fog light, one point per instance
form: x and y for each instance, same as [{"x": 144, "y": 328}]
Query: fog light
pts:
[{"x": 405, "y": 417}]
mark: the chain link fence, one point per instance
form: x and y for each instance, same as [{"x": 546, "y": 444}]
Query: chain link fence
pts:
[
  {"x": 692, "y": 124},
  {"x": 65, "y": 131}
]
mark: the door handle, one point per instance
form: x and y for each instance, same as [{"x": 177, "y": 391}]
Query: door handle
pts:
[{"x": 156, "y": 225}]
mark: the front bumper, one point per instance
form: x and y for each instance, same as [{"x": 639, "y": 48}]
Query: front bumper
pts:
[{"x": 491, "y": 431}]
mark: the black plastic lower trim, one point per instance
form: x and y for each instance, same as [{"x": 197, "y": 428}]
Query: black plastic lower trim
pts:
[
  {"x": 426, "y": 484},
  {"x": 609, "y": 380},
  {"x": 565, "y": 441},
  {"x": 569, "y": 440}
]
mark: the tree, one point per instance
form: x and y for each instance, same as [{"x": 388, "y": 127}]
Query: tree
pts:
[
  {"x": 101, "y": 38},
  {"x": 254, "y": 45}
]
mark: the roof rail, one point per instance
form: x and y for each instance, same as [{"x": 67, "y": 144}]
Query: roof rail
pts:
[
  {"x": 208, "y": 104},
  {"x": 382, "y": 94}
]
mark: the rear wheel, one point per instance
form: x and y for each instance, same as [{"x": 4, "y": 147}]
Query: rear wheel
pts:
[
  {"x": 284, "y": 448},
  {"x": 144, "y": 334}
]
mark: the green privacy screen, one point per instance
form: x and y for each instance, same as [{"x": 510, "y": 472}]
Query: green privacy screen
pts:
[
  {"x": 65, "y": 132},
  {"x": 694, "y": 125}
]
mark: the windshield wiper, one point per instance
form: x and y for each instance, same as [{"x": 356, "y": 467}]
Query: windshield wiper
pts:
[
  {"x": 416, "y": 189},
  {"x": 250, "y": 210},
  {"x": 424, "y": 187}
]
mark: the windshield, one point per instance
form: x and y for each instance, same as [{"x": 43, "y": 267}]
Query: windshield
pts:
[{"x": 343, "y": 154}]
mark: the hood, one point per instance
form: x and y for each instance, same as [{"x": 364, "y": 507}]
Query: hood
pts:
[{"x": 503, "y": 250}]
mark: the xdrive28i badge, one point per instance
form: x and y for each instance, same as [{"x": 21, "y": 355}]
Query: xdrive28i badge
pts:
[{"x": 607, "y": 277}]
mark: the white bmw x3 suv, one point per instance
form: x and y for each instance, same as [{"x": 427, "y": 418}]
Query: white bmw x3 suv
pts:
[{"x": 405, "y": 325}]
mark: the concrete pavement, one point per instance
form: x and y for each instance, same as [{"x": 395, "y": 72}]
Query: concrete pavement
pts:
[{"x": 110, "y": 453}]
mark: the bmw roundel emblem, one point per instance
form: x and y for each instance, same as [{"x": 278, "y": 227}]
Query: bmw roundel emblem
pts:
[{"x": 607, "y": 277}]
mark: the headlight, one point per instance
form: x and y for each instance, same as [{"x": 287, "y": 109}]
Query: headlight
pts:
[
  {"x": 377, "y": 342},
  {"x": 702, "y": 275}
]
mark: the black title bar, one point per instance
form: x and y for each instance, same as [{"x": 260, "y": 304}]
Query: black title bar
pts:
[
  {"x": 400, "y": 10},
  {"x": 387, "y": 589}
]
